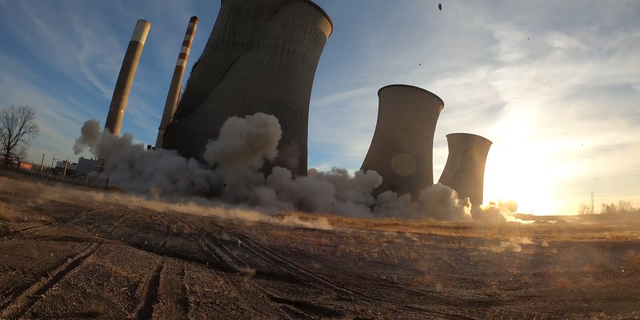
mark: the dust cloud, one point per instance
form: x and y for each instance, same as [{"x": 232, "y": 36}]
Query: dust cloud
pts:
[
  {"x": 500, "y": 211},
  {"x": 232, "y": 174}
]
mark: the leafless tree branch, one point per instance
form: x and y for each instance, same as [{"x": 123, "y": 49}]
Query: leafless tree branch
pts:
[{"x": 18, "y": 127}]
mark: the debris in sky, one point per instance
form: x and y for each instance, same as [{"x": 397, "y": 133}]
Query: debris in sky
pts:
[{"x": 440, "y": 6}]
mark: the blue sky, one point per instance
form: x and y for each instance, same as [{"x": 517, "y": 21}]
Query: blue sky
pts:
[{"x": 554, "y": 84}]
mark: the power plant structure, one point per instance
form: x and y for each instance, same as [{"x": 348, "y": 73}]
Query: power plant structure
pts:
[
  {"x": 401, "y": 150},
  {"x": 261, "y": 56},
  {"x": 176, "y": 81},
  {"x": 464, "y": 170},
  {"x": 125, "y": 77}
]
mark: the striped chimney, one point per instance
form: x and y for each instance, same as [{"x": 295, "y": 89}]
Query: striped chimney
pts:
[
  {"x": 176, "y": 81},
  {"x": 125, "y": 78}
]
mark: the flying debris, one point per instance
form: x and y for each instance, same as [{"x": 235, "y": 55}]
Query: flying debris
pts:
[{"x": 440, "y": 6}]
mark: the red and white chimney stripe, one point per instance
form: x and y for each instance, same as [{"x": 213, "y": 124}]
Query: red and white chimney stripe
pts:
[{"x": 186, "y": 43}]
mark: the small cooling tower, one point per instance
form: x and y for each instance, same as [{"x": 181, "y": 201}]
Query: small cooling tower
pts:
[
  {"x": 464, "y": 171},
  {"x": 125, "y": 77},
  {"x": 402, "y": 146},
  {"x": 261, "y": 56}
]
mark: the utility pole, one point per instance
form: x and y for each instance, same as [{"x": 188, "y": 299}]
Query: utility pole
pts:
[
  {"x": 64, "y": 173},
  {"x": 593, "y": 208},
  {"x": 42, "y": 163}
]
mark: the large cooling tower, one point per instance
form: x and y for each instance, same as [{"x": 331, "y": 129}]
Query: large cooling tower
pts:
[
  {"x": 260, "y": 57},
  {"x": 125, "y": 77},
  {"x": 402, "y": 146},
  {"x": 464, "y": 171}
]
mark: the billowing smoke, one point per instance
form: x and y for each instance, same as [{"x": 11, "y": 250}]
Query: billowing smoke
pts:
[
  {"x": 104, "y": 145},
  {"x": 233, "y": 173},
  {"x": 495, "y": 212}
]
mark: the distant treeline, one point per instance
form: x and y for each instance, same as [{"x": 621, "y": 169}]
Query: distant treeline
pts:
[{"x": 611, "y": 208}]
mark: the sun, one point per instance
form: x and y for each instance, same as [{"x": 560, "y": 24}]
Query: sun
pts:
[{"x": 511, "y": 175}]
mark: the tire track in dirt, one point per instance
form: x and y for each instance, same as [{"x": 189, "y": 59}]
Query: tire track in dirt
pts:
[
  {"x": 293, "y": 268},
  {"x": 224, "y": 262},
  {"x": 291, "y": 308},
  {"x": 18, "y": 232},
  {"x": 79, "y": 216},
  {"x": 115, "y": 226},
  {"x": 31, "y": 295},
  {"x": 249, "y": 293},
  {"x": 46, "y": 226},
  {"x": 341, "y": 291},
  {"x": 217, "y": 248},
  {"x": 184, "y": 292},
  {"x": 150, "y": 299},
  {"x": 167, "y": 227},
  {"x": 107, "y": 238}
]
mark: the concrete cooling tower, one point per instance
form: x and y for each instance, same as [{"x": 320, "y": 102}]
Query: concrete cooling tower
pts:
[
  {"x": 125, "y": 77},
  {"x": 464, "y": 171},
  {"x": 260, "y": 57},
  {"x": 402, "y": 146}
]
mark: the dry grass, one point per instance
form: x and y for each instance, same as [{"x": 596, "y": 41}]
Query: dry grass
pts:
[
  {"x": 632, "y": 262},
  {"x": 7, "y": 213},
  {"x": 504, "y": 231},
  {"x": 562, "y": 281},
  {"x": 494, "y": 292},
  {"x": 424, "y": 280},
  {"x": 247, "y": 272}
]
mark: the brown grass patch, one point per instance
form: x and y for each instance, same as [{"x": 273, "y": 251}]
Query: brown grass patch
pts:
[
  {"x": 247, "y": 272},
  {"x": 503, "y": 231},
  {"x": 563, "y": 281},
  {"x": 494, "y": 292},
  {"x": 423, "y": 280},
  {"x": 632, "y": 262}
]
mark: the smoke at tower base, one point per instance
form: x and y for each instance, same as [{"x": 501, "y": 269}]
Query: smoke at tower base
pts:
[{"x": 232, "y": 173}]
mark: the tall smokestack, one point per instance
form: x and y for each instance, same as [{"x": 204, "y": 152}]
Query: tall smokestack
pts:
[
  {"x": 464, "y": 171},
  {"x": 402, "y": 146},
  {"x": 125, "y": 78},
  {"x": 261, "y": 56},
  {"x": 176, "y": 81}
]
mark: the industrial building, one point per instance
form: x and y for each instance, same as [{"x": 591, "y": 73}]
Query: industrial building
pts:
[
  {"x": 401, "y": 150},
  {"x": 261, "y": 56},
  {"x": 125, "y": 77},
  {"x": 464, "y": 170},
  {"x": 85, "y": 166}
]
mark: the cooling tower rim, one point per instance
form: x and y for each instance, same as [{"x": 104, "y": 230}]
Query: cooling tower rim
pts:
[
  {"x": 469, "y": 134},
  {"x": 412, "y": 87},
  {"x": 326, "y": 15}
]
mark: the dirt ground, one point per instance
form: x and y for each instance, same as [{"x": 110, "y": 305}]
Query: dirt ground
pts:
[{"x": 70, "y": 253}]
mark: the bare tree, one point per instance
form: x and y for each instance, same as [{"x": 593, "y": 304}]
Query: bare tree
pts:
[
  {"x": 584, "y": 209},
  {"x": 625, "y": 206},
  {"x": 18, "y": 127}
]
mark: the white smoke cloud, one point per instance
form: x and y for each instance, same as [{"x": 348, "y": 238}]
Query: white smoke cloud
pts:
[
  {"x": 500, "y": 211},
  {"x": 104, "y": 145},
  {"x": 233, "y": 173}
]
